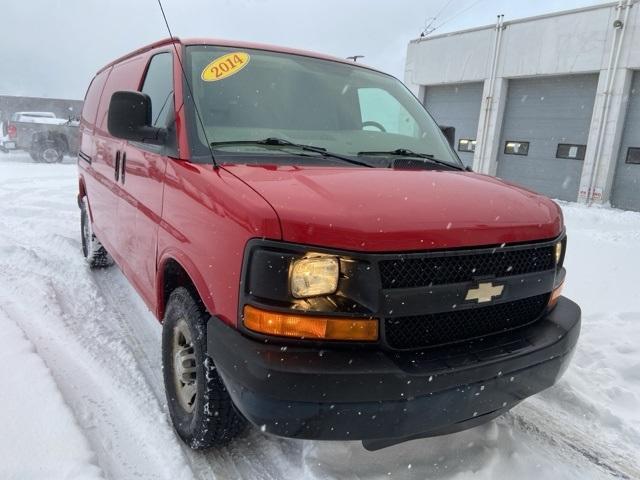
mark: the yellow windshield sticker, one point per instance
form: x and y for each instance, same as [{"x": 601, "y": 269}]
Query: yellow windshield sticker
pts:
[{"x": 225, "y": 66}]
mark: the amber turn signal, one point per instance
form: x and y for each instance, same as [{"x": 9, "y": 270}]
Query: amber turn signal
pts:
[
  {"x": 555, "y": 295},
  {"x": 309, "y": 327}
]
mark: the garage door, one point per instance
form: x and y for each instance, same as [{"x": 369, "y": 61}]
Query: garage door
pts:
[
  {"x": 544, "y": 133},
  {"x": 457, "y": 106},
  {"x": 626, "y": 183}
]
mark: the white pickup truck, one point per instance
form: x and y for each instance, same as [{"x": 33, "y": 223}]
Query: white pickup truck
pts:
[{"x": 46, "y": 137}]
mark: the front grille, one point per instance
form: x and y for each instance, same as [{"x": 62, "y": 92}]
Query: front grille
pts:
[
  {"x": 438, "y": 270},
  {"x": 457, "y": 326}
]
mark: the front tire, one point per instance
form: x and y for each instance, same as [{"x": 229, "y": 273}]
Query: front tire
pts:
[
  {"x": 201, "y": 409},
  {"x": 92, "y": 250}
]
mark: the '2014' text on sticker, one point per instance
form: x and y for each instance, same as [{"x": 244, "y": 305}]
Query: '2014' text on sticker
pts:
[{"x": 225, "y": 66}]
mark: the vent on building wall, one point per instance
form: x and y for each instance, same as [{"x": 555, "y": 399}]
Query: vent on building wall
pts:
[
  {"x": 516, "y": 148},
  {"x": 571, "y": 152},
  {"x": 633, "y": 155},
  {"x": 466, "y": 145}
]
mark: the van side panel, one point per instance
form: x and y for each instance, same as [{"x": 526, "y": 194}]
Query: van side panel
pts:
[
  {"x": 142, "y": 181},
  {"x": 87, "y": 125},
  {"x": 92, "y": 100},
  {"x": 104, "y": 198}
]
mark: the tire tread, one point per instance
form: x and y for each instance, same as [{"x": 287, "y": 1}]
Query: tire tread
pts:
[
  {"x": 217, "y": 420},
  {"x": 97, "y": 256}
]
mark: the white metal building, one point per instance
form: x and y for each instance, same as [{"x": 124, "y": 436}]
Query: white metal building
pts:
[{"x": 550, "y": 102}]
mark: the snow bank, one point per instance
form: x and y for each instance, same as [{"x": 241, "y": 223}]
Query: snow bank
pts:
[{"x": 40, "y": 437}]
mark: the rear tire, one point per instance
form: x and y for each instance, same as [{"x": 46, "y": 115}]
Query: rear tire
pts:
[
  {"x": 49, "y": 151},
  {"x": 201, "y": 409},
  {"x": 92, "y": 250}
]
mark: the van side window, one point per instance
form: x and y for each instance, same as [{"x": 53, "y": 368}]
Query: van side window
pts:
[{"x": 158, "y": 84}]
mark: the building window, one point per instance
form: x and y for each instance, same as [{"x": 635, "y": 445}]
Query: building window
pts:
[
  {"x": 466, "y": 145},
  {"x": 572, "y": 152},
  {"x": 633, "y": 155},
  {"x": 516, "y": 148}
]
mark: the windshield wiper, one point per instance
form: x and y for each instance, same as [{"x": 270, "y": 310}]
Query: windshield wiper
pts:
[
  {"x": 405, "y": 152},
  {"x": 279, "y": 142}
]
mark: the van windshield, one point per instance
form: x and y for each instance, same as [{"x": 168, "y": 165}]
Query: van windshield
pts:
[{"x": 247, "y": 95}]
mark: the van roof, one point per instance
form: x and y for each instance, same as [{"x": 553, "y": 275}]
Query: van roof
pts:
[{"x": 232, "y": 43}]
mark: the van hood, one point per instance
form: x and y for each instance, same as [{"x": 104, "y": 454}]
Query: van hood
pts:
[{"x": 383, "y": 210}]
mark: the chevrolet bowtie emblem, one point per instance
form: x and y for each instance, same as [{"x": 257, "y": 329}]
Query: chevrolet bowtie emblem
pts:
[{"x": 485, "y": 292}]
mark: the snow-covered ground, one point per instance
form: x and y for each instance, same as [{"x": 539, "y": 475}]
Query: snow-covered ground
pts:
[
  {"x": 81, "y": 391},
  {"x": 35, "y": 417}
]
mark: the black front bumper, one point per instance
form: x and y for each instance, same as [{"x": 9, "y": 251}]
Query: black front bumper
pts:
[{"x": 371, "y": 394}]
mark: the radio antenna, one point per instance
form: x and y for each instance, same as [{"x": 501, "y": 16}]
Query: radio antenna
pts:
[{"x": 186, "y": 81}]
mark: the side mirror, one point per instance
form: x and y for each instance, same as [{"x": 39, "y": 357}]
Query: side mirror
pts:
[
  {"x": 130, "y": 118},
  {"x": 450, "y": 135}
]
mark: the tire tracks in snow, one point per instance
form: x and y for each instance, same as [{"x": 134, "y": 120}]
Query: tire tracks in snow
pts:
[
  {"x": 102, "y": 344},
  {"x": 82, "y": 461},
  {"x": 539, "y": 421},
  {"x": 49, "y": 293},
  {"x": 143, "y": 338},
  {"x": 98, "y": 379},
  {"x": 252, "y": 456}
]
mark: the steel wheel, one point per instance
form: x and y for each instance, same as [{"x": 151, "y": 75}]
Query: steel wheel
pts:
[
  {"x": 184, "y": 367},
  {"x": 50, "y": 155},
  {"x": 200, "y": 407}
]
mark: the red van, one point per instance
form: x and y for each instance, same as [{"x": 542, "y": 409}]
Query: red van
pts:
[{"x": 322, "y": 263}]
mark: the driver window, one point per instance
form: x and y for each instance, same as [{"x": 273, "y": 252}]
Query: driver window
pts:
[
  {"x": 381, "y": 112},
  {"x": 158, "y": 84}
]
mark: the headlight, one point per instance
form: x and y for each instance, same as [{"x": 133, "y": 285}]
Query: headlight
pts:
[
  {"x": 313, "y": 276},
  {"x": 558, "y": 252}
]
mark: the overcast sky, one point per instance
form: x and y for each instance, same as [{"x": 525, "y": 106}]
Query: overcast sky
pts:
[{"x": 52, "y": 48}]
